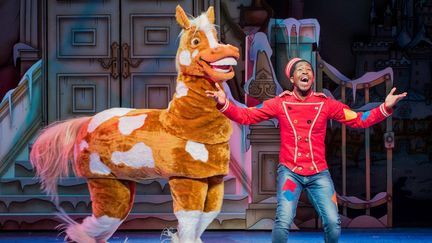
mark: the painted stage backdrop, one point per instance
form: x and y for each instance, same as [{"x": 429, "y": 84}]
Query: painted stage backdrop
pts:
[{"x": 64, "y": 59}]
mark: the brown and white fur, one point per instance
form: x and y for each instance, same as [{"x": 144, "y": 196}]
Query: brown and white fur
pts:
[{"x": 186, "y": 143}]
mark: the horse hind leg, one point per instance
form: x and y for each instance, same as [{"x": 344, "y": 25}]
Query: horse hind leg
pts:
[{"x": 111, "y": 203}]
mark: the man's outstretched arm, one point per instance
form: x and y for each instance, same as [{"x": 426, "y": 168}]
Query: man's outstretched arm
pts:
[
  {"x": 344, "y": 114},
  {"x": 250, "y": 115}
]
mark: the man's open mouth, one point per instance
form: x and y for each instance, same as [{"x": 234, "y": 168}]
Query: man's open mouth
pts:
[
  {"x": 223, "y": 65},
  {"x": 304, "y": 79}
]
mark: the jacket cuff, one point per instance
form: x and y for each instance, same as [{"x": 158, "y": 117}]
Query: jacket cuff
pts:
[
  {"x": 223, "y": 107},
  {"x": 385, "y": 110}
]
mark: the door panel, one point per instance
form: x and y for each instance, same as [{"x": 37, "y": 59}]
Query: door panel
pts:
[
  {"x": 86, "y": 93},
  {"x": 111, "y": 53},
  {"x": 151, "y": 33},
  {"x": 152, "y": 90},
  {"x": 80, "y": 34}
]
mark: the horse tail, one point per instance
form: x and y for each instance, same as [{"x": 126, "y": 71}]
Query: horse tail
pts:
[{"x": 52, "y": 151}]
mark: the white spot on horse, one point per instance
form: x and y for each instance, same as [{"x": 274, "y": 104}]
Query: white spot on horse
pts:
[
  {"x": 194, "y": 53},
  {"x": 104, "y": 116},
  {"x": 206, "y": 219},
  {"x": 128, "y": 124},
  {"x": 140, "y": 155},
  {"x": 83, "y": 145},
  {"x": 213, "y": 43},
  {"x": 181, "y": 89},
  {"x": 93, "y": 227},
  {"x": 198, "y": 151},
  {"x": 185, "y": 58},
  {"x": 203, "y": 24},
  {"x": 169, "y": 105},
  {"x": 189, "y": 221},
  {"x": 97, "y": 166}
]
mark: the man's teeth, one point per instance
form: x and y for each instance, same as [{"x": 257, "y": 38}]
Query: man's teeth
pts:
[{"x": 225, "y": 61}]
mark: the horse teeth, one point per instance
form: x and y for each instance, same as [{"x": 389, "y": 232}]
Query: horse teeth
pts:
[
  {"x": 225, "y": 61},
  {"x": 221, "y": 70}
]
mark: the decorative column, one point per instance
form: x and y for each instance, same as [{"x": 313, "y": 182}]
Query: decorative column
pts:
[
  {"x": 27, "y": 51},
  {"x": 265, "y": 140}
]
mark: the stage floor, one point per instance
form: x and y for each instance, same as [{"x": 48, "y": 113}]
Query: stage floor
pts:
[{"x": 348, "y": 236}]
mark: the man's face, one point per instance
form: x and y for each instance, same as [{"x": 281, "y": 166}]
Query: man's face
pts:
[{"x": 303, "y": 76}]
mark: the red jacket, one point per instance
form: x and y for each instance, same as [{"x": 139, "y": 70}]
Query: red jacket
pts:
[{"x": 303, "y": 125}]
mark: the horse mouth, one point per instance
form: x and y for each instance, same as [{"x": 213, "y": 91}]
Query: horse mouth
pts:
[{"x": 223, "y": 65}]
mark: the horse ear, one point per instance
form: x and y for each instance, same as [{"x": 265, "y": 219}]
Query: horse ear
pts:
[
  {"x": 181, "y": 18},
  {"x": 210, "y": 15}
]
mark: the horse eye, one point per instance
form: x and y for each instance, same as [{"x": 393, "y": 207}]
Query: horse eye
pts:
[{"x": 195, "y": 41}]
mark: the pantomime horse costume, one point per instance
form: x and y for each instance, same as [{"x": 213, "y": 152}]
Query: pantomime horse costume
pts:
[{"x": 186, "y": 143}]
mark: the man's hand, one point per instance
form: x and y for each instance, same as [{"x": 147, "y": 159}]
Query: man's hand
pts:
[
  {"x": 219, "y": 96},
  {"x": 393, "y": 99}
]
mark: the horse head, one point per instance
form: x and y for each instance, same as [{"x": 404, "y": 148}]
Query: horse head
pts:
[{"x": 200, "y": 53}]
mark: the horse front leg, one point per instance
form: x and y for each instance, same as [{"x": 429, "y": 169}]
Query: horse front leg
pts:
[
  {"x": 212, "y": 205},
  {"x": 188, "y": 200}
]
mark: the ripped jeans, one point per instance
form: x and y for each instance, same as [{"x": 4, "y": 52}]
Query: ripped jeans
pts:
[{"x": 321, "y": 193}]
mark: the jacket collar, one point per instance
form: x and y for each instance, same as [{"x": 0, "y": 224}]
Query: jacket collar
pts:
[{"x": 299, "y": 99}]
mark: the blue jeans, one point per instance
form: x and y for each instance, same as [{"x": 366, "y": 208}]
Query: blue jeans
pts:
[{"x": 321, "y": 193}]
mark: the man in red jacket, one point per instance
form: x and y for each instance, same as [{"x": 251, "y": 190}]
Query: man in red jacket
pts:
[{"x": 303, "y": 116}]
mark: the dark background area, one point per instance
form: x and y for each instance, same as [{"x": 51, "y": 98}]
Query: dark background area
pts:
[{"x": 342, "y": 24}]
